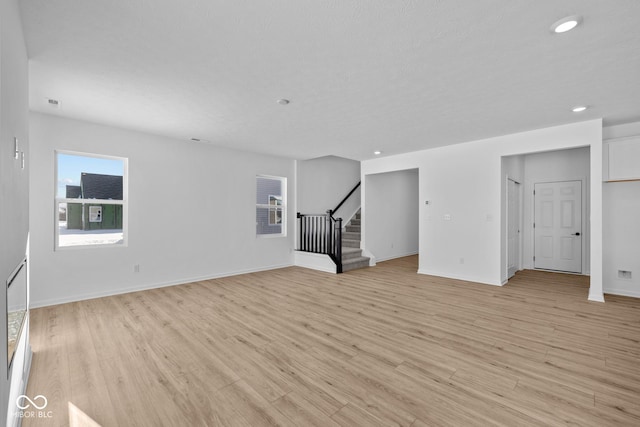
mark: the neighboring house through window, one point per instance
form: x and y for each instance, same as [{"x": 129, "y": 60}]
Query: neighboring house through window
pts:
[
  {"x": 91, "y": 200},
  {"x": 271, "y": 206}
]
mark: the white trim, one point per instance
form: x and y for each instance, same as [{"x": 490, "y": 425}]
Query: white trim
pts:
[
  {"x": 459, "y": 277},
  {"x": 14, "y": 273},
  {"x": 597, "y": 297},
  {"x": 353, "y": 216},
  {"x": 319, "y": 262},
  {"x": 91, "y": 201},
  {"x": 270, "y": 236},
  {"x": 572, "y": 273},
  {"x": 120, "y": 291},
  {"x": 520, "y": 226},
  {"x": 596, "y": 209},
  {"x": 99, "y": 246},
  {"x": 350, "y": 215},
  {"x": 397, "y": 256},
  {"x": 372, "y": 257},
  {"x": 622, "y": 292},
  {"x": 83, "y": 154}
]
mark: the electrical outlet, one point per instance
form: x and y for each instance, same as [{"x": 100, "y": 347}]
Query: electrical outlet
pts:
[
  {"x": 461, "y": 260},
  {"x": 624, "y": 274},
  {"x": 447, "y": 217},
  {"x": 136, "y": 268}
]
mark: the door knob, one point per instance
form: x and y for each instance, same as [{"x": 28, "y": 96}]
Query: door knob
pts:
[{"x": 576, "y": 234}]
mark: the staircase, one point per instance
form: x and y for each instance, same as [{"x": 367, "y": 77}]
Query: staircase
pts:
[
  {"x": 351, "y": 253},
  {"x": 324, "y": 234}
]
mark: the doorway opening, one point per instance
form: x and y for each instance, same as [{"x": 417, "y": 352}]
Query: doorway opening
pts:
[
  {"x": 391, "y": 214},
  {"x": 561, "y": 180}
]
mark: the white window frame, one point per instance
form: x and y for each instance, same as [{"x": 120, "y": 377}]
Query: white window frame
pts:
[
  {"x": 282, "y": 207},
  {"x": 124, "y": 202}
]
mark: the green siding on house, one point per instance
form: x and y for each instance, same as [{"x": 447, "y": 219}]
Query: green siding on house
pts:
[
  {"x": 74, "y": 216},
  {"x": 111, "y": 218},
  {"x": 95, "y": 186}
]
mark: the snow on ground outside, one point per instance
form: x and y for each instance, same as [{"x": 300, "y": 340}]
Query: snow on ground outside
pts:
[{"x": 89, "y": 237}]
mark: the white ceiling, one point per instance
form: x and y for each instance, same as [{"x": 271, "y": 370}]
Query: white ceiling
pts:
[{"x": 362, "y": 75}]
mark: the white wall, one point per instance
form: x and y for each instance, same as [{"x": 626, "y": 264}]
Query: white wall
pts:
[
  {"x": 464, "y": 181},
  {"x": 191, "y": 213},
  {"x": 622, "y": 237},
  {"x": 323, "y": 182},
  {"x": 561, "y": 165},
  {"x": 621, "y": 131},
  {"x": 513, "y": 167},
  {"x": 14, "y": 188},
  {"x": 621, "y": 204},
  {"x": 392, "y": 214}
]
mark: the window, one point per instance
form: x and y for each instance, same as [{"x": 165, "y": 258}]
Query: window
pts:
[
  {"x": 91, "y": 202},
  {"x": 271, "y": 206},
  {"x": 275, "y": 214}
]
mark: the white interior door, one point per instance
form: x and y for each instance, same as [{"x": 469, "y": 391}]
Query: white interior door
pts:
[
  {"x": 558, "y": 226},
  {"x": 513, "y": 227}
]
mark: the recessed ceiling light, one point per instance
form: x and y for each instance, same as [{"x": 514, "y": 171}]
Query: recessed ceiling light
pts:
[
  {"x": 283, "y": 101},
  {"x": 566, "y": 24},
  {"x": 579, "y": 109},
  {"x": 377, "y": 153}
]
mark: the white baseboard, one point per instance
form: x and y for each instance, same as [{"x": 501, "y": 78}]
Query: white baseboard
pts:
[
  {"x": 320, "y": 262},
  {"x": 481, "y": 281},
  {"x": 372, "y": 258},
  {"x": 111, "y": 292},
  {"x": 396, "y": 256},
  {"x": 597, "y": 297},
  {"x": 622, "y": 292}
]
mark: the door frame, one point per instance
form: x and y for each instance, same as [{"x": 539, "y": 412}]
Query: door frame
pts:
[
  {"x": 586, "y": 226},
  {"x": 520, "y": 223}
]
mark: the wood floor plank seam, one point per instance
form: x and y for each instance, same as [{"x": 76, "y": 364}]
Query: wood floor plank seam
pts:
[{"x": 378, "y": 346}]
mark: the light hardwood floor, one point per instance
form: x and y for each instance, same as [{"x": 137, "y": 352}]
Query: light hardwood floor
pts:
[{"x": 379, "y": 346}]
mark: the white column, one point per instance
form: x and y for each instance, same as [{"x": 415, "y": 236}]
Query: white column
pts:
[{"x": 595, "y": 288}]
